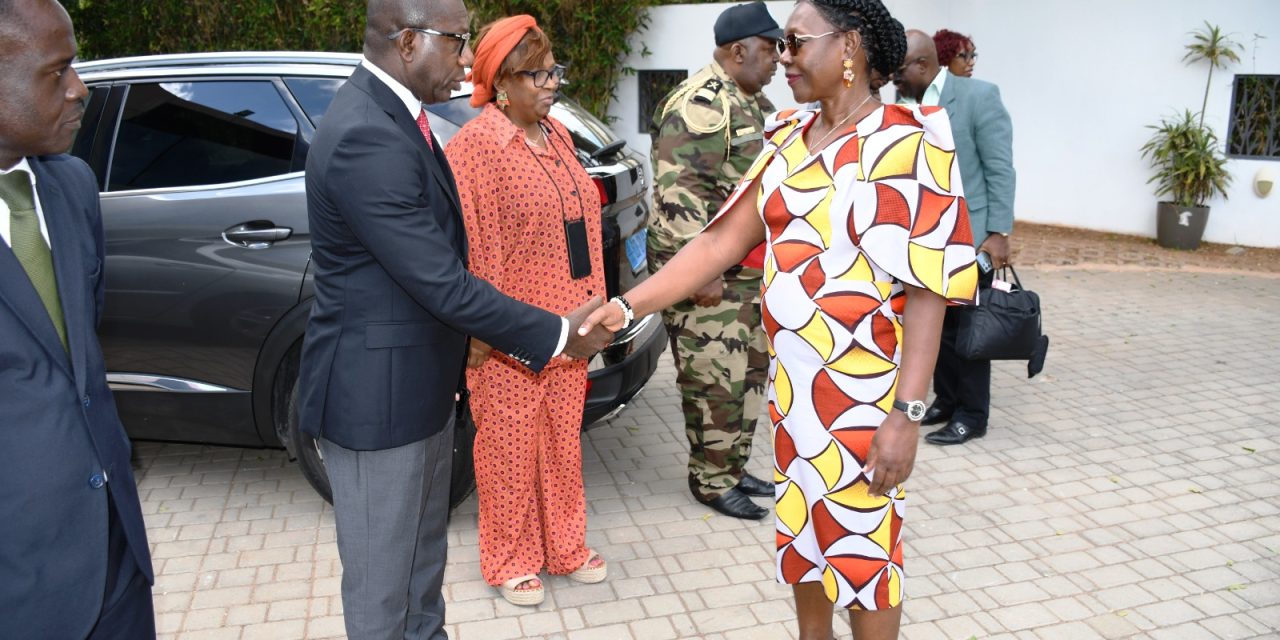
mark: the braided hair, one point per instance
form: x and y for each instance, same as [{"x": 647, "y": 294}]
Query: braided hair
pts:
[{"x": 883, "y": 38}]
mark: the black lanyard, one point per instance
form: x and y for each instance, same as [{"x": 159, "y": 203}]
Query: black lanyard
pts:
[{"x": 575, "y": 231}]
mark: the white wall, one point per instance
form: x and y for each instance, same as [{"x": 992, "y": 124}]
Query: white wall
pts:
[{"x": 1081, "y": 78}]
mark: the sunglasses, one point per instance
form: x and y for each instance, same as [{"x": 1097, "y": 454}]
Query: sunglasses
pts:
[
  {"x": 542, "y": 76},
  {"x": 462, "y": 38},
  {"x": 792, "y": 42},
  {"x": 968, "y": 55}
]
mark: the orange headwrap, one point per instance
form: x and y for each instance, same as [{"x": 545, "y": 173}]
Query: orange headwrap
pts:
[{"x": 502, "y": 37}]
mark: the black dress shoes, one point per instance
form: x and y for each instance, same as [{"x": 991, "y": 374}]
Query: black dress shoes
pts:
[
  {"x": 935, "y": 416},
  {"x": 754, "y": 486},
  {"x": 955, "y": 432},
  {"x": 736, "y": 504}
]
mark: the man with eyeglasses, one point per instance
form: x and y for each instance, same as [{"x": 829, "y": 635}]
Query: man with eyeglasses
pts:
[
  {"x": 984, "y": 148},
  {"x": 386, "y": 344},
  {"x": 705, "y": 135}
]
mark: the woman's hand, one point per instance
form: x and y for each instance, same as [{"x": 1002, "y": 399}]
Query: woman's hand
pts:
[
  {"x": 479, "y": 353},
  {"x": 893, "y": 453},
  {"x": 608, "y": 315}
]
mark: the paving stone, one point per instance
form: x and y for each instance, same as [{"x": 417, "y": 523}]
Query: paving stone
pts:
[{"x": 1075, "y": 517}]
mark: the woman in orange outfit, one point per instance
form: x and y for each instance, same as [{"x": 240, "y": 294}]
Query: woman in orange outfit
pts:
[{"x": 522, "y": 191}]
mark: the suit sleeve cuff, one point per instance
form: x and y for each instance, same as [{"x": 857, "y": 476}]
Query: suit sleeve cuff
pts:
[{"x": 564, "y": 337}]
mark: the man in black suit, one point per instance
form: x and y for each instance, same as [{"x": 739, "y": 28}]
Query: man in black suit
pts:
[
  {"x": 74, "y": 561},
  {"x": 387, "y": 341},
  {"x": 984, "y": 148}
]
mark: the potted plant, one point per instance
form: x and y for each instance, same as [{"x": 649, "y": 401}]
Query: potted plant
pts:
[{"x": 1189, "y": 166}]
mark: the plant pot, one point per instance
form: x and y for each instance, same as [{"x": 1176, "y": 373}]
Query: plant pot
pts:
[{"x": 1179, "y": 227}]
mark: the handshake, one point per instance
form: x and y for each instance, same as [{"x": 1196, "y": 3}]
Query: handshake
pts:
[
  {"x": 588, "y": 333},
  {"x": 593, "y": 336}
]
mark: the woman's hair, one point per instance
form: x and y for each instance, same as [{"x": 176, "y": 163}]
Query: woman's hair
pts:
[
  {"x": 950, "y": 43},
  {"x": 883, "y": 38},
  {"x": 526, "y": 56}
]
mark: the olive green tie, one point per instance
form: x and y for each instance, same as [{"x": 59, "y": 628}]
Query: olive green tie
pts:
[{"x": 29, "y": 245}]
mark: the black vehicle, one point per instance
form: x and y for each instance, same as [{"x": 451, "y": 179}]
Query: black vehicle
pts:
[{"x": 199, "y": 159}]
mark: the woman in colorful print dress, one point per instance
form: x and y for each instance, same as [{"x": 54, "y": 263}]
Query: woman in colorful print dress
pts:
[
  {"x": 520, "y": 182},
  {"x": 862, "y": 211}
]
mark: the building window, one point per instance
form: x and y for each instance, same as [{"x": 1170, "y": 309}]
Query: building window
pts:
[
  {"x": 655, "y": 84},
  {"x": 1255, "y": 118}
]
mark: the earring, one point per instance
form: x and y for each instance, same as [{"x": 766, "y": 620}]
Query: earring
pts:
[
  {"x": 503, "y": 102},
  {"x": 848, "y": 72}
]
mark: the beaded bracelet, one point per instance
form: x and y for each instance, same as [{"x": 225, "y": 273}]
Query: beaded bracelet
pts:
[{"x": 628, "y": 314}]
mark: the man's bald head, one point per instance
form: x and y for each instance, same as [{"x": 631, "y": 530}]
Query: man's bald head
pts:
[
  {"x": 15, "y": 20},
  {"x": 920, "y": 66},
  {"x": 384, "y": 17},
  {"x": 427, "y": 53},
  {"x": 920, "y": 45}
]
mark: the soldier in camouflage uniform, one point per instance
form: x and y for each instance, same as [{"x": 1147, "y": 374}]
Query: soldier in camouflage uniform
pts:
[{"x": 706, "y": 133}]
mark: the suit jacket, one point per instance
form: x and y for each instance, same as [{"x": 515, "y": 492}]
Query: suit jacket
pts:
[
  {"x": 386, "y": 343},
  {"x": 62, "y": 447},
  {"x": 984, "y": 145}
]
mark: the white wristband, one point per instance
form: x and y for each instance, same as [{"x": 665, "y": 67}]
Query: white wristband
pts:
[{"x": 628, "y": 316}]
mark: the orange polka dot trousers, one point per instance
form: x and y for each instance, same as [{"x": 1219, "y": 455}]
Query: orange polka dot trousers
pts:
[{"x": 528, "y": 455}]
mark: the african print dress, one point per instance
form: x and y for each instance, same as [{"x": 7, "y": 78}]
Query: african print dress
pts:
[{"x": 880, "y": 206}]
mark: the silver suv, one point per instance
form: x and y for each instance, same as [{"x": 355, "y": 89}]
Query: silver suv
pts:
[{"x": 199, "y": 159}]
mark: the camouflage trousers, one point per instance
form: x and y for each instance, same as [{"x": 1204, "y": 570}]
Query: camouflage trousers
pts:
[{"x": 722, "y": 367}]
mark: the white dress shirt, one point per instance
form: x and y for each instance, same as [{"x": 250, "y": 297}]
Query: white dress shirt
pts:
[
  {"x": 35, "y": 195},
  {"x": 414, "y": 106}
]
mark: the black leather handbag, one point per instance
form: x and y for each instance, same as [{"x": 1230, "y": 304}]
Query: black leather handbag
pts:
[{"x": 1004, "y": 326}]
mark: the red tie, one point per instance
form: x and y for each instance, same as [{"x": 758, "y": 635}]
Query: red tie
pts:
[{"x": 425, "y": 128}]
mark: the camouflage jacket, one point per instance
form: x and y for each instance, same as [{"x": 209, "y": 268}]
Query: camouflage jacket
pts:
[{"x": 706, "y": 133}]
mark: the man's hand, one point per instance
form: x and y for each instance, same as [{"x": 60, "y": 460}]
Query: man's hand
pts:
[
  {"x": 585, "y": 338},
  {"x": 479, "y": 353},
  {"x": 996, "y": 246},
  {"x": 893, "y": 453},
  {"x": 709, "y": 295}
]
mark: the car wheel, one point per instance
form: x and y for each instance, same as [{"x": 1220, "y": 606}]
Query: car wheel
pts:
[{"x": 311, "y": 461}]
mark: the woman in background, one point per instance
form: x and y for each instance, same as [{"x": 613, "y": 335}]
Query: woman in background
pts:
[
  {"x": 956, "y": 52},
  {"x": 522, "y": 190}
]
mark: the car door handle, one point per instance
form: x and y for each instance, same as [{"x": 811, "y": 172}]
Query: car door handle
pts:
[{"x": 258, "y": 234}]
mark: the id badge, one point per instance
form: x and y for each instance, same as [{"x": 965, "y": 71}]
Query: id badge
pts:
[{"x": 575, "y": 234}]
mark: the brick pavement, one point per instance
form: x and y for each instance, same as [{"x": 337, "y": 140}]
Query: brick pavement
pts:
[{"x": 1130, "y": 491}]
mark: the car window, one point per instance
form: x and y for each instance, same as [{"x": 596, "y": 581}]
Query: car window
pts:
[
  {"x": 314, "y": 94},
  {"x": 89, "y": 125},
  {"x": 176, "y": 134}
]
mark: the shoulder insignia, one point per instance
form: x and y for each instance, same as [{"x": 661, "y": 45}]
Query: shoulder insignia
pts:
[{"x": 706, "y": 94}]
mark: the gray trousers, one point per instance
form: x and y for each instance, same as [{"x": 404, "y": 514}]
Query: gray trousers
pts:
[{"x": 391, "y": 508}]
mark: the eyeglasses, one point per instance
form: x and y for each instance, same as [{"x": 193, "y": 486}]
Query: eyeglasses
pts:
[
  {"x": 793, "y": 42},
  {"x": 968, "y": 55},
  {"x": 542, "y": 76},
  {"x": 462, "y": 38}
]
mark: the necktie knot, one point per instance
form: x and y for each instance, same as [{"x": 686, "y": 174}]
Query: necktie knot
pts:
[
  {"x": 425, "y": 127},
  {"x": 15, "y": 190}
]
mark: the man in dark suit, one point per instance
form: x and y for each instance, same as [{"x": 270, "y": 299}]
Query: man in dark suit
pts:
[
  {"x": 387, "y": 341},
  {"x": 74, "y": 561},
  {"x": 984, "y": 148}
]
